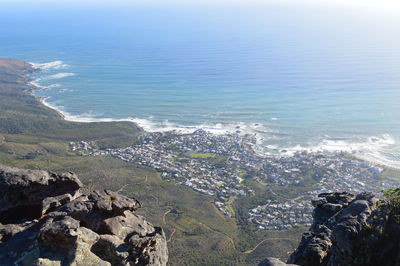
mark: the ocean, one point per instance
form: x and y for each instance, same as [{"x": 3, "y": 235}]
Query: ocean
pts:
[{"x": 299, "y": 76}]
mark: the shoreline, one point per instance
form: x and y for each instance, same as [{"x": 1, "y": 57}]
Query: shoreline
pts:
[
  {"x": 147, "y": 125},
  {"x": 151, "y": 127},
  {"x": 363, "y": 157}
]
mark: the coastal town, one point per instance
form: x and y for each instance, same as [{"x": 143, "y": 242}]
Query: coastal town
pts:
[
  {"x": 210, "y": 164},
  {"x": 217, "y": 165},
  {"x": 331, "y": 173}
]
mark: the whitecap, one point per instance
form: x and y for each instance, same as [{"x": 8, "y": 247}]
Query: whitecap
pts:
[
  {"x": 151, "y": 125},
  {"x": 64, "y": 90},
  {"x": 59, "y": 76},
  {"x": 377, "y": 149},
  {"x": 49, "y": 65},
  {"x": 52, "y": 86},
  {"x": 37, "y": 85}
]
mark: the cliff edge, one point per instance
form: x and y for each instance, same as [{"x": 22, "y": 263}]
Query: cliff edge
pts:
[
  {"x": 349, "y": 230},
  {"x": 46, "y": 219}
]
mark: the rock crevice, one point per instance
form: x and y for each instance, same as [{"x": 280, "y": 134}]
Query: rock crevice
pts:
[
  {"x": 349, "y": 230},
  {"x": 45, "y": 219}
]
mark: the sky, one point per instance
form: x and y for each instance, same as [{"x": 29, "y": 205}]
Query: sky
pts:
[
  {"x": 378, "y": 7},
  {"x": 380, "y": 4},
  {"x": 381, "y": 11}
]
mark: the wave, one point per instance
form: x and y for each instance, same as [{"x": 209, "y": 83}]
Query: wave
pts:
[
  {"x": 377, "y": 149},
  {"x": 50, "y": 65},
  {"x": 332, "y": 145},
  {"x": 37, "y": 85},
  {"x": 150, "y": 125},
  {"x": 37, "y": 82},
  {"x": 55, "y": 85},
  {"x": 64, "y": 90},
  {"x": 59, "y": 76}
]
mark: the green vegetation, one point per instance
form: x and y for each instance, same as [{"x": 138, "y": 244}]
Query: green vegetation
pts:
[
  {"x": 23, "y": 114},
  {"x": 393, "y": 198},
  {"x": 391, "y": 173},
  {"x": 36, "y": 137},
  {"x": 201, "y": 155},
  {"x": 215, "y": 160}
]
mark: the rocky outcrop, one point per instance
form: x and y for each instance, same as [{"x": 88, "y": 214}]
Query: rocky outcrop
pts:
[
  {"x": 349, "y": 230},
  {"x": 317, "y": 242},
  {"x": 45, "y": 219}
]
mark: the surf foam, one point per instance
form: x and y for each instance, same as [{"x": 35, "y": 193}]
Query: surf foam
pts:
[
  {"x": 59, "y": 76},
  {"x": 370, "y": 149},
  {"x": 50, "y": 65},
  {"x": 376, "y": 149},
  {"x": 37, "y": 85},
  {"x": 155, "y": 126}
]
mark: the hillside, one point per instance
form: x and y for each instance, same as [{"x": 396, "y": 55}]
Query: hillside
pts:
[
  {"x": 22, "y": 113},
  {"x": 32, "y": 136}
]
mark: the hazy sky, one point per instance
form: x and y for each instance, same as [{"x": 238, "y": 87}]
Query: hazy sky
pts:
[
  {"x": 372, "y": 12},
  {"x": 381, "y": 4},
  {"x": 374, "y": 6}
]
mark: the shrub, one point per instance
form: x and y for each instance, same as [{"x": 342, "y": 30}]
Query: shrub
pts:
[{"x": 393, "y": 198}]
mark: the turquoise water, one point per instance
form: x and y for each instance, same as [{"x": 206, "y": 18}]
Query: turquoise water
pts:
[{"x": 300, "y": 77}]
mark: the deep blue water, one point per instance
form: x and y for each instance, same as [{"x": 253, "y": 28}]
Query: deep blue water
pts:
[{"x": 299, "y": 76}]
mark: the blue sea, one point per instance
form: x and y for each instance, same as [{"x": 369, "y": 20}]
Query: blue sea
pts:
[{"x": 300, "y": 76}]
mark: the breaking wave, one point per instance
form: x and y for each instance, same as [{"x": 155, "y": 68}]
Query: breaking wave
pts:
[
  {"x": 59, "y": 76},
  {"x": 37, "y": 85},
  {"x": 64, "y": 90},
  {"x": 154, "y": 126},
  {"x": 375, "y": 149},
  {"x": 378, "y": 149},
  {"x": 50, "y": 65}
]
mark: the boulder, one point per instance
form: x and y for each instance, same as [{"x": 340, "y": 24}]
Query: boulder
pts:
[
  {"x": 58, "y": 225},
  {"x": 349, "y": 230},
  {"x": 28, "y": 194}
]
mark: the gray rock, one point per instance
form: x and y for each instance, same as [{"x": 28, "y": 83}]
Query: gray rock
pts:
[
  {"x": 28, "y": 194},
  {"x": 59, "y": 235},
  {"x": 8, "y": 230},
  {"x": 349, "y": 231},
  {"x": 318, "y": 202},
  {"x": 332, "y": 207},
  {"x": 149, "y": 250},
  {"x": 100, "y": 228},
  {"x": 112, "y": 249}
]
